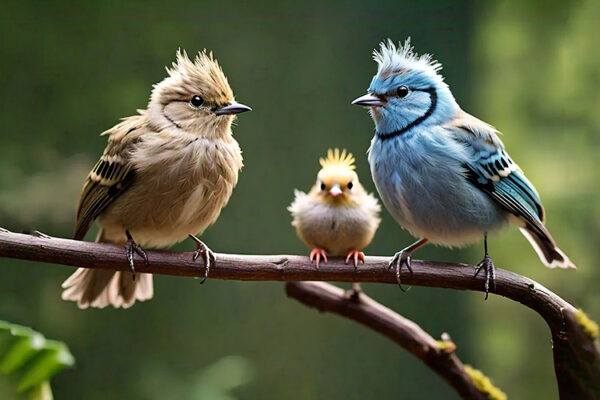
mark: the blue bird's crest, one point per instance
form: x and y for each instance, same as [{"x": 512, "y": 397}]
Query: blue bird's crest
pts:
[
  {"x": 392, "y": 59},
  {"x": 409, "y": 90}
]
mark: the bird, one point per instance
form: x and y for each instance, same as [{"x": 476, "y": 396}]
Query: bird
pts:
[
  {"x": 164, "y": 176},
  {"x": 337, "y": 217},
  {"x": 444, "y": 175}
]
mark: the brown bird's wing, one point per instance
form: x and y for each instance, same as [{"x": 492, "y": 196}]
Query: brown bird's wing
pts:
[{"x": 112, "y": 174}]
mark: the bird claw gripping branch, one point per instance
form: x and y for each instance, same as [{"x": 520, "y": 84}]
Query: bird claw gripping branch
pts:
[
  {"x": 490, "y": 274},
  {"x": 207, "y": 255},
  {"x": 131, "y": 247},
  {"x": 401, "y": 259}
]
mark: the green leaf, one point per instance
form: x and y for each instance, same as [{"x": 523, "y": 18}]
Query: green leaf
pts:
[
  {"x": 31, "y": 359},
  {"x": 41, "y": 392}
]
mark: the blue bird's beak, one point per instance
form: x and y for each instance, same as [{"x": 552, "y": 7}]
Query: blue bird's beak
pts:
[{"x": 369, "y": 100}]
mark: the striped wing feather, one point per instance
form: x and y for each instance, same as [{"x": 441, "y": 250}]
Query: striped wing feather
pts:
[
  {"x": 112, "y": 174},
  {"x": 495, "y": 173},
  {"x": 103, "y": 185}
]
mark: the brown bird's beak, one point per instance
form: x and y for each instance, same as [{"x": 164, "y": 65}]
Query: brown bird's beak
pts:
[
  {"x": 369, "y": 100},
  {"x": 233, "y": 108}
]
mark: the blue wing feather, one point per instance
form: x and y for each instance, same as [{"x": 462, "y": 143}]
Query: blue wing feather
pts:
[
  {"x": 497, "y": 175},
  {"x": 492, "y": 170}
]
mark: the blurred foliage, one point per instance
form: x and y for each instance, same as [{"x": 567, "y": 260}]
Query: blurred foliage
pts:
[
  {"x": 31, "y": 360},
  {"x": 215, "y": 382},
  {"x": 71, "y": 70}
]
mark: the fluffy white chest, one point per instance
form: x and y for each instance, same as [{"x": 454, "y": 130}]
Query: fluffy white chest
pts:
[{"x": 335, "y": 229}]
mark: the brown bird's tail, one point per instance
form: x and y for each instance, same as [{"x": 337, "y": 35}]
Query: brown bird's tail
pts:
[
  {"x": 546, "y": 249},
  {"x": 99, "y": 288}
]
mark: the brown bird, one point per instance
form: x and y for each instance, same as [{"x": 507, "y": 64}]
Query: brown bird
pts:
[
  {"x": 337, "y": 217},
  {"x": 165, "y": 174}
]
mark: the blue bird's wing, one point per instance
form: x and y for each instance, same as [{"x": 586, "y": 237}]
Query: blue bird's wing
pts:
[
  {"x": 497, "y": 175},
  {"x": 489, "y": 168},
  {"x": 493, "y": 171}
]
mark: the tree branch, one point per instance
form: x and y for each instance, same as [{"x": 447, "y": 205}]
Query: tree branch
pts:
[
  {"x": 576, "y": 353},
  {"x": 439, "y": 357}
]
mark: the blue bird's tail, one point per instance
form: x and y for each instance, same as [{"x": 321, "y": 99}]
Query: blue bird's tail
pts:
[{"x": 546, "y": 249}]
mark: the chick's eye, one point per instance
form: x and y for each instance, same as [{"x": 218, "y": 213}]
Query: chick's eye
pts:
[
  {"x": 350, "y": 185},
  {"x": 402, "y": 91},
  {"x": 323, "y": 186},
  {"x": 196, "y": 101}
]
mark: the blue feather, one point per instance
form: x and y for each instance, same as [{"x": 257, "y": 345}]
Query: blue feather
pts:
[{"x": 443, "y": 174}]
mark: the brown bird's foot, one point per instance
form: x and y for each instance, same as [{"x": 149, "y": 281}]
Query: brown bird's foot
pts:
[
  {"x": 353, "y": 294},
  {"x": 316, "y": 254},
  {"x": 40, "y": 235},
  {"x": 490, "y": 274},
  {"x": 401, "y": 259},
  {"x": 355, "y": 255},
  {"x": 207, "y": 255},
  {"x": 131, "y": 247}
]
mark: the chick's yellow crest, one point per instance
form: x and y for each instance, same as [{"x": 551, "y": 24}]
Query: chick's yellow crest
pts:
[{"x": 337, "y": 159}]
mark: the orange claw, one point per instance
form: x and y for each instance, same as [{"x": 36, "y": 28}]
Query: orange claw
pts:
[
  {"x": 355, "y": 255},
  {"x": 316, "y": 254}
]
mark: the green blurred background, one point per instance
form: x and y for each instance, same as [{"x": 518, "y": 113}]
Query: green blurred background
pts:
[{"x": 71, "y": 70}]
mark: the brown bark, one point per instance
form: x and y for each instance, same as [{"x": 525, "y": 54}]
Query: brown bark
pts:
[{"x": 576, "y": 354}]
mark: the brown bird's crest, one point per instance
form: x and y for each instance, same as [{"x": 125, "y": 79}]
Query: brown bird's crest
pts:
[{"x": 202, "y": 76}]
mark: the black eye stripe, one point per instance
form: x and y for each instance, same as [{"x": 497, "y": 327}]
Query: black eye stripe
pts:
[
  {"x": 433, "y": 98},
  {"x": 412, "y": 89}
]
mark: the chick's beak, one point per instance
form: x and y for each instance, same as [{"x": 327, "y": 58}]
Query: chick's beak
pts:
[
  {"x": 369, "y": 100},
  {"x": 335, "y": 190},
  {"x": 232, "y": 108}
]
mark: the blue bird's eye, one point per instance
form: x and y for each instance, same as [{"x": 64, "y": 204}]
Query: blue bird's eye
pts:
[{"x": 402, "y": 91}]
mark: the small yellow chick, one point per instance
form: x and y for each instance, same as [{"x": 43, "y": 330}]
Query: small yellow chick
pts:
[{"x": 337, "y": 217}]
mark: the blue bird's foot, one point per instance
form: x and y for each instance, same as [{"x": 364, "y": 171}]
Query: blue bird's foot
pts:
[
  {"x": 207, "y": 255},
  {"x": 490, "y": 274},
  {"x": 401, "y": 259},
  {"x": 131, "y": 247}
]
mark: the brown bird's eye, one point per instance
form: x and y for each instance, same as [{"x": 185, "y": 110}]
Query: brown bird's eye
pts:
[
  {"x": 402, "y": 91},
  {"x": 196, "y": 101},
  {"x": 323, "y": 186},
  {"x": 350, "y": 185}
]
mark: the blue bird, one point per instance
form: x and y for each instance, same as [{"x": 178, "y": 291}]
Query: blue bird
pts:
[{"x": 443, "y": 174}]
